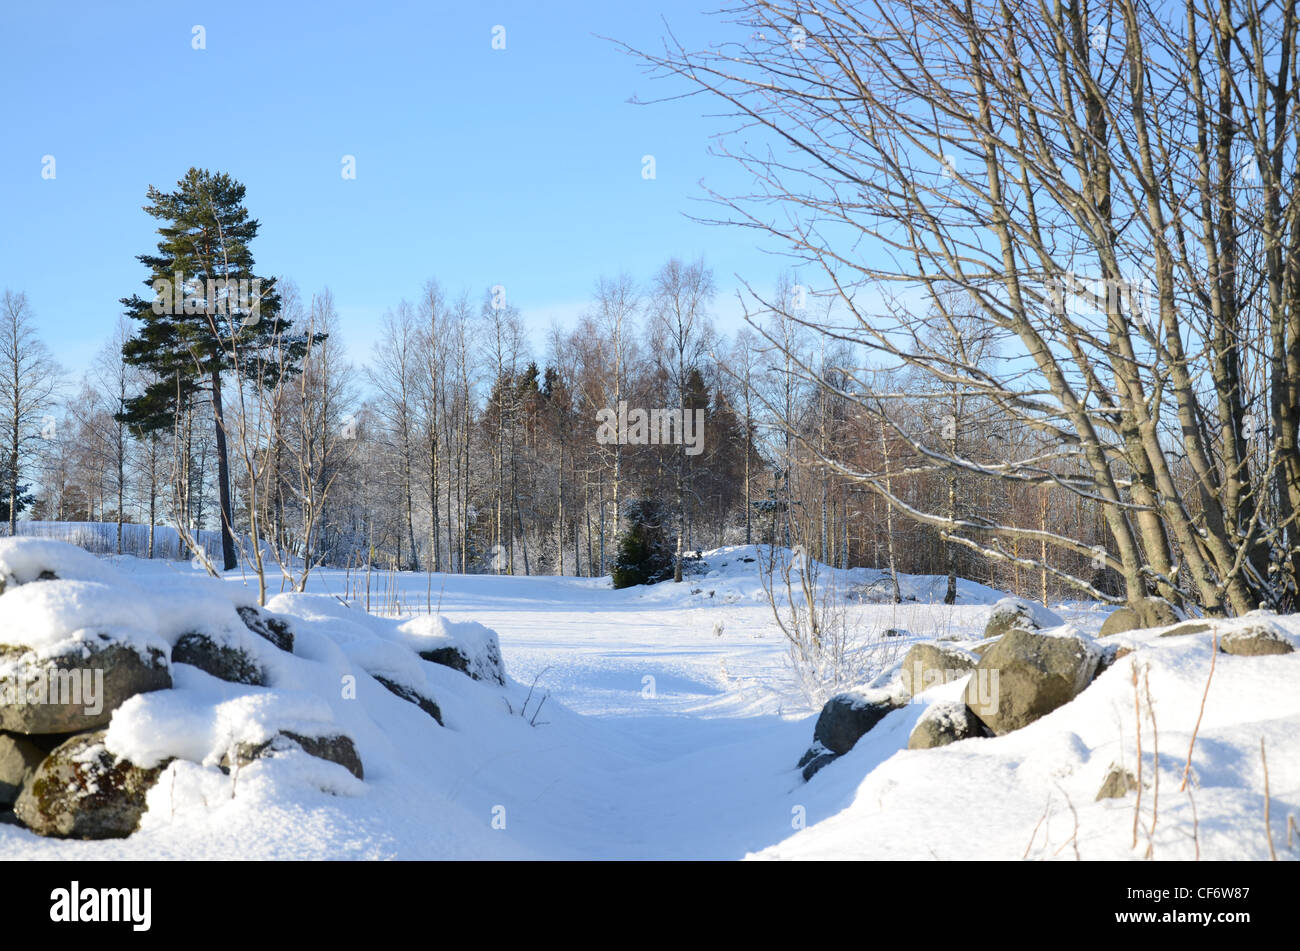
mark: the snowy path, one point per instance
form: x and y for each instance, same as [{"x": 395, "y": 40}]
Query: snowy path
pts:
[{"x": 684, "y": 733}]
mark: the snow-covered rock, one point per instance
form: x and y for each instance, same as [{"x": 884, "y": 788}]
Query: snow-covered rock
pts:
[
  {"x": 1011, "y": 613},
  {"x": 944, "y": 723},
  {"x": 82, "y": 791},
  {"x": 466, "y": 646},
  {"x": 1149, "y": 612},
  {"x": 1028, "y": 674}
]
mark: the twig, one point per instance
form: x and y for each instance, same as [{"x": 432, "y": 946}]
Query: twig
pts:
[
  {"x": 1137, "y": 715},
  {"x": 1034, "y": 834},
  {"x": 1074, "y": 836},
  {"x": 1155, "y": 766},
  {"x": 1196, "y": 825},
  {"x": 1268, "y": 826},
  {"x": 1214, "y": 656}
]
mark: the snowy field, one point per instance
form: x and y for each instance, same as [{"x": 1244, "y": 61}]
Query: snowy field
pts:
[{"x": 670, "y": 728}]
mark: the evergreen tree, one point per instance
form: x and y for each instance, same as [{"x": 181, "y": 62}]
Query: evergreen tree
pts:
[
  {"x": 645, "y": 555},
  {"x": 210, "y": 315}
]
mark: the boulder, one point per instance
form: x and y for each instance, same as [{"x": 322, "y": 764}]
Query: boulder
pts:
[
  {"x": 1149, "y": 612},
  {"x": 814, "y": 759},
  {"x": 1110, "y": 657},
  {"x": 19, "y": 758},
  {"x": 1012, "y": 613},
  {"x": 411, "y": 696},
  {"x": 1256, "y": 640},
  {"x": 927, "y": 665},
  {"x": 1191, "y": 627},
  {"x": 268, "y": 626},
  {"x": 82, "y": 791},
  {"x": 1117, "y": 784},
  {"x": 24, "y": 560},
  {"x": 942, "y": 724},
  {"x": 466, "y": 646},
  {"x": 79, "y": 688},
  {"x": 847, "y": 716},
  {"x": 222, "y": 662},
  {"x": 1031, "y": 674},
  {"x": 336, "y": 749}
]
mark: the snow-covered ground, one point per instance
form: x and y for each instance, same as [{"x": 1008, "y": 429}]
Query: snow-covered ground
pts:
[{"x": 671, "y": 727}]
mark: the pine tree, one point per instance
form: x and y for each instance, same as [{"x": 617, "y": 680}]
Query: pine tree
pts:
[{"x": 210, "y": 315}]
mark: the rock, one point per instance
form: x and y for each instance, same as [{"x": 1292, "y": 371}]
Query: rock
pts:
[
  {"x": 1029, "y": 674},
  {"x": 336, "y": 749},
  {"x": 82, "y": 791},
  {"x": 224, "y": 663},
  {"x": 24, "y": 560},
  {"x": 268, "y": 626},
  {"x": 1257, "y": 640},
  {"x": 78, "y": 689},
  {"x": 1012, "y": 613},
  {"x": 1109, "y": 658},
  {"x": 1117, "y": 784},
  {"x": 896, "y": 632},
  {"x": 814, "y": 759},
  {"x": 406, "y": 693},
  {"x": 1149, "y": 612},
  {"x": 19, "y": 758},
  {"x": 486, "y": 666},
  {"x": 980, "y": 648},
  {"x": 927, "y": 665},
  {"x": 942, "y": 724},
  {"x": 847, "y": 716},
  {"x": 1191, "y": 627},
  {"x": 466, "y": 646}
]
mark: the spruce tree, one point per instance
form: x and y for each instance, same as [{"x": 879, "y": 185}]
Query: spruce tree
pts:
[
  {"x": 208, "y": 315},
  {"x": 644, "y": 554}
]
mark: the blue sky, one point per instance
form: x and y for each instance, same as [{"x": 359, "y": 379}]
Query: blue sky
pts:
[{"x": 520, "y": 167}]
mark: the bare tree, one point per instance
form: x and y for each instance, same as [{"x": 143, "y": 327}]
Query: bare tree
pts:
[
  {"x": 1112, "y": 187},
  {"x": 682, "y": 336},
  {"x": 29, "y": 379}
]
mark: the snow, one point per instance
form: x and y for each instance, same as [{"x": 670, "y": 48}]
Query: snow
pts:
[
  {"x": 664, "y": 722},
  {"x": 1041, "y": 616}
]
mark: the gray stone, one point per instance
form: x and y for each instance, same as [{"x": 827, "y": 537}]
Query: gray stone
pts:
[
  {"x": 927, "y": 665},
  {"x": 412, "y": 696},
  {"x": 336, "y": 749},
  {"x": 1018, "y": 614},
  {"x": 1191, "y": 627},
  {"x": 942, "y": 724},
  {"x": 1117, "y": 784},
  {"x": 487, "y": 667},
  {"x": 1254, "y": 641},
  {"x": 265, "y": 624},
  {"x": 814, "y": 759},
  {"x": 1148, "y": 612},
  {"x": 81, "y": 791},
  {"x": 847, "y": 716},
  {"x": 126, "y": 672},
  {"x": 224, "y": 663},
  {"x": 19, "y": 758},
  {"x": 1033, "y": 674}
]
